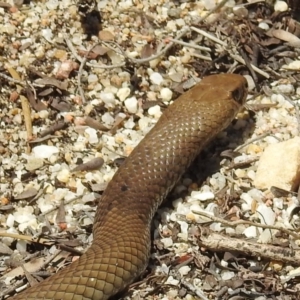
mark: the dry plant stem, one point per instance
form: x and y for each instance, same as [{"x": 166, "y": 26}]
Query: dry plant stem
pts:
[
  {"x": 249, "y": 66},
  {"x": 12, "y": 79},
  {"x": 208, "y": 58},
  {"x": 209, "y": 36},
  {"x": 296, "y": 110},
  {"x": 242, "y": 222},
  {"x": 217, "y": 242},
  {"x": 83, "y": 62},
  {"x": 136, "y": 61},
  {"x": 79, "y": 79},
  {"x": 235, "y": 57},
  {"x": 190, "y": 45},
  {"x": 31, "y": 280},
  {"x": 27, "y": 238},
  {"x": 11, "y": 289},
  {"x": 221, "y": 4},
  {"x": 25, "y": 105},
  {"x": 242, "y": 61},
  {"x": 72, "y": 49},
  {"x": 195, "y": 290},
  {"x": 55, "y": 208},
  {"x": 260, "y": 137}
]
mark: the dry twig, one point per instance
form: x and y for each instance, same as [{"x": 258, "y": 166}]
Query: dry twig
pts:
[
  {"x": 217, "y": 242},
  {"x": 243, "y": 222}
]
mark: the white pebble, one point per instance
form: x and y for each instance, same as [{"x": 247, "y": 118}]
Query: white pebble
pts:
[
  {"x": 52, "y": 4},
  {"x": 281, "y": 6},
  {"x": 180, "y": 22},
  {"x": 24, "y": 214},
  {"x": 266, "y": 214},
  {"x": 43, "y": 114},
  {"x": 166, "y": 94},
  {"x": 92, "y": 78},
  {"x": 250, "y": 232},
  {"x": 107, "y": 119},
  {"x": 131, "y": 104},
  {"x": 154, "y": 110},
  {"x": 47, "y": 34},
  {"x": 171, "y": 25},
  {"x": 264, "y": 26},
  {"x": 10, "y": 220},
  {"x": 278, "y": 203},
  {"x": 21, "y": 246},
  {"x": 92, "y": 135},
  {"x": 171, "y": 280},
  {"x": 123, "y": 93},
  {"x": 202, "y": 196},
  {"x": 77, "y": 39},
  {"x": 251, "y": 174},
  {"x": 265, "y": 237},
  {"x": 108, "y": 99},
  {"x": 227, "y": 275},
  {"x": 63, "y": 175},
  {"x": 44, "y": 151},
  {"x": 156, "y": 78},
  {"x": 168, "y": 242},
  {"x": 144, "y": 123},
  {"x": 184, "y": 270}
]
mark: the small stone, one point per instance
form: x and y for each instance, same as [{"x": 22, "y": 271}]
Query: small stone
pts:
[
  {"x": 47, "y": 34},
  {"x": 52, "y": 4},
  {"x": 174, "y": 12},
  {"x": 166, "y": 94},
  {"x": 154, "y": 111},
  {"x": 250, "y": 232},
  {"x": 43, "y": 114},
  {"x": 168, "y": 242},
  {"x": 92, "y": 78},
  {"x": 280, "y": 6},
  {"x": 106, "y": 35},
  {"x": 92, "y": 136},
  {"x": 44, "y": 151},
  {"x": 184, "y": 270},
  {"x": 202, "y": 196},
  {"x": 266, "y": 214},
  {"x": 264, "y": 26},
  {"x": 63, "y": 176},
  {"x": 108, "y": 99},
  {"x": 131, "y": 105},
  {"x": 65, "y": 69},
  {"x": 34, "y": 164},
  {"x": 60, "y": 54},
  {"x": 156, "y": 78},
  {"x": 293, "y": 65},
  {"x": 279, "y": 166},
  {"x": 123, "y": 93}
]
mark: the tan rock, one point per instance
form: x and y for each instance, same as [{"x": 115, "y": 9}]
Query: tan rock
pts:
[{"x": 279, "y": 166}]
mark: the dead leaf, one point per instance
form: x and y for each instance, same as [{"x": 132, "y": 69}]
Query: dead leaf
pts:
[
  {"x": 49, "y": 81},
  {"x": 147, "y": 51},
  {"x": 91, "y": 165},
  {"x": 35, "y": 103},
  {"x": 106, "y": 35},
  {"x": 30, "y": 193},
  {"x": 60, "y": 105},
  {"x": 287, "y": 37}
]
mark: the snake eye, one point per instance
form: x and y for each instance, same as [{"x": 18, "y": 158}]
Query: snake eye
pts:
[{"x": 239, "y": 94}]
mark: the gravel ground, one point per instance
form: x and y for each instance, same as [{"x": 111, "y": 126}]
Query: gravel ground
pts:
[{"x": 70, "y": 96}]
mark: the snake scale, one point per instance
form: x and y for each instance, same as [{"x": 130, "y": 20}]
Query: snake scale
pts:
[{"x": 121, "y": 246}]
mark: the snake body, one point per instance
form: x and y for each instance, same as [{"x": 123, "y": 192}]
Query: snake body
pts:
[{"x": 121, "y": 245}]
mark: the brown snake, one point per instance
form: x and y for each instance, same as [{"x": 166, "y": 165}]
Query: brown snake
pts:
[{"x": 121, "y": 246}]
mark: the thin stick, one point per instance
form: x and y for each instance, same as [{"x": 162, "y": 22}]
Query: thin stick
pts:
[
  {"x": 239, "y": 222},
  {"x": 217, "y": 242}
]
